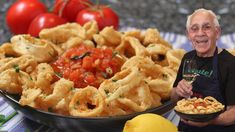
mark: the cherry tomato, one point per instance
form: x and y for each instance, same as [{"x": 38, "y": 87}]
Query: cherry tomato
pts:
[
  {"x": 103, "y": 15},
  {"x": 70, "y": 8},
  {"x": 45, "y": 20},
  {"x": 21, "y": 13}
]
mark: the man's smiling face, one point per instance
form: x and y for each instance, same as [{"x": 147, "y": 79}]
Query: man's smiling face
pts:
[{"x": 203, "y": 33}]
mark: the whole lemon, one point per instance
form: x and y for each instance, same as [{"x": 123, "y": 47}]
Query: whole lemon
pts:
[{"x": 149, "y": 123}]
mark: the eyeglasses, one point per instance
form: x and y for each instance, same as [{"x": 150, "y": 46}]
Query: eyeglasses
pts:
[{"x": 204, "y": 28}]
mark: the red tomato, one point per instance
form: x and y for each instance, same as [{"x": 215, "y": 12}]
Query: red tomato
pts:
[
  {"x": 103, "y": 15},
  {"x": 21, "y": 13},
  {"x": 70, "y": 8},
  {"x": 87, "y": 63},
  {"x": 45, "y": 20}
]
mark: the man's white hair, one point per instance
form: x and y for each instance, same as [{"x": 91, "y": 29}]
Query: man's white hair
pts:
[{"x": 189, "y": 18}]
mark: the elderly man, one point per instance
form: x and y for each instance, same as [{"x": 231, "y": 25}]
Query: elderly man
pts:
[{"x": 215, "y": 70}]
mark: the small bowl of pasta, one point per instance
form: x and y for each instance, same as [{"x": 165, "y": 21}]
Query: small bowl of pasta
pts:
[{"x": 199, "y": 109}]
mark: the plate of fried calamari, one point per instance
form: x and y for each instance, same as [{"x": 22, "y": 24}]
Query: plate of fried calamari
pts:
[
  {"x": 198, "y": 109},
  {"x": 79, "y": 78}
]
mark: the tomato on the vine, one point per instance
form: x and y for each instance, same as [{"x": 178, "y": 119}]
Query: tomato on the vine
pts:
[
  {"x": 70, "y": 8},
  {"x": 45, "y": 20},
  {"x": 21, "y": 13},
  {"x": 102, "y": 14}
]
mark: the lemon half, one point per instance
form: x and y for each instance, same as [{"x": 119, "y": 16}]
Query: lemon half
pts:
[{"x": 149, "y": 123}]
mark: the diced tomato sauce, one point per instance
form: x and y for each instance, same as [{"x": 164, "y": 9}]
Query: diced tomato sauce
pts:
[
  {"x": 200, "y": 104},
  {"x": 86, "y": 65}
]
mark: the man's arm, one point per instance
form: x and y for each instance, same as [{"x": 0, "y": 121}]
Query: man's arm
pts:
[{"x": 226, "y": 118}]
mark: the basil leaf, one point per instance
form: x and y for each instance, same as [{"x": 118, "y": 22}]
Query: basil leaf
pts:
[
  {"x": 59, "y": 75},
  {"x": 114, "y": 80},
  {"x": 80, "y": 56}
]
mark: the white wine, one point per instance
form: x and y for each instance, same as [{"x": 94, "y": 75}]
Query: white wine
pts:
[{"x": 189, "y": 77}]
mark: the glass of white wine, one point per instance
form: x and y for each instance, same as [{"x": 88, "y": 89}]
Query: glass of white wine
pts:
[{"x": 189, "y": 71}]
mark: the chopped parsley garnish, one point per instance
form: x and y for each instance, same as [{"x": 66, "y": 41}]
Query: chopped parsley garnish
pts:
[
  {"x": 72, "y": 88},
  {"x": 114, "y": 54},
  {"x": 30, "y": 78},
  {"x": 121, "y": 96},
  {"x": 50, "y": 109},
  {"x": 16, "y": 67},
  {"x": 114, "y": 80}
]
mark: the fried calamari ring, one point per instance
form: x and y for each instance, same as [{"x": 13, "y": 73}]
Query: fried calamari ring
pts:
[
  {"x": 130, "y": 47},
  {"x": 43, "y": 76},
  {"x": 170, "y": 72},
  {"x": 158, "y": 53},
  {"x": 138, "y": 61},
  {"x": 6, "y": 49},
  {"x": 91, "y": 28},
  {"x": 135, "y": 33},
  {"x": 13, "y": 81},
  {"x": 116, "y": 36},
  {"x": 156, "y": 99},
  {"x": 215, "y": 104},
  {"x": 145, "y": 65},
  {"x": 61, "y": 89},
  {"x": 29, "y": 95},
  {"x": 161, "y": 87},
  {"x": 5, "y": 60},
  {"x": 120, "y": 83},
  {"x": 114, "y": 108},
  {"x": 62, "y": 33},
  {"x": 163, "y": 83},
  {"x": 138, "y": 98},
  {"x": 174, "y": 57},
  {"x": 62, "y": 107},
  {"x": 86, "y": 102},
  {"x": 28, "y": 45},
  {"x": 152, "y": 36},
  {"x": 25, "y": 63},
  {"x": 103, "y": 39}
]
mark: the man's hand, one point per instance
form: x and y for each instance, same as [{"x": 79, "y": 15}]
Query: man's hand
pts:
[
  {"x": 184, "y": 89},
  {"x": 198, "y": 124}
]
